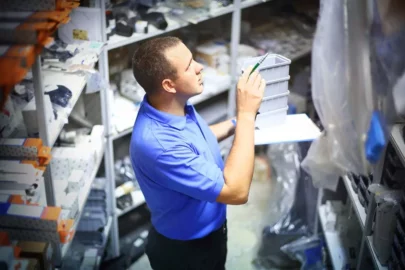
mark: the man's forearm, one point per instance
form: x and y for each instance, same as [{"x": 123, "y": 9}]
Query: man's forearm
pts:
[
  {"x": 223, "y": 130},
  {"x": 239, "y": 166}
]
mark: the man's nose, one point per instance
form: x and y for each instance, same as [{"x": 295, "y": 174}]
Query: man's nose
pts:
[{"x": 199, "y": 67}]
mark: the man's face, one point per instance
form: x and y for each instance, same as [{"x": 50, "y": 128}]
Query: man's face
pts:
[{"x": 189, "y": 77}]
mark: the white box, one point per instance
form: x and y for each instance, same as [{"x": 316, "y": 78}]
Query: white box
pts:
[
  {"x": 271, "y": 118},
  {"x": 274, "y": 102},
  {"x": 75, "y": 181},
  {"x": 70, "y": 202},
  {"x": 60, "y": 186},
  {"x": 276, "y": 87}
]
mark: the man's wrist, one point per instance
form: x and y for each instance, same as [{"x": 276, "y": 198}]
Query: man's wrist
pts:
[{"x": 246, "y": 116}]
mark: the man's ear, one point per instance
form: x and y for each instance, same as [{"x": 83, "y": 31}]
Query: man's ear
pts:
[{"x": 169, "y": 86}]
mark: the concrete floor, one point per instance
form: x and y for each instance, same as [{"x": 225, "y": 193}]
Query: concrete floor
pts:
[{"x": 245, "y": 223}]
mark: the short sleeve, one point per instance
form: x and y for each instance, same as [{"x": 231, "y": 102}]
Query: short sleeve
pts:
[{"x": 181, "y": 169}]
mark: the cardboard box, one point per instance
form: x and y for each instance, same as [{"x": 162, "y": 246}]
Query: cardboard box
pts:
[
  {"x": 211, "y": 54},
  {"x": 40, "y": 251}
]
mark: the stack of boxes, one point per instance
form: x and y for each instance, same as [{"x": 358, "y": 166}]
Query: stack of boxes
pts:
[
  {"x": 275, "y": 71},
  {"x": 72, "y": 168},
  {"x": 35, "y": 231},
  {"x": 22, "y": 164},
  {"x": 24, "y": 254},
  {"x": 24, "y": 215}
]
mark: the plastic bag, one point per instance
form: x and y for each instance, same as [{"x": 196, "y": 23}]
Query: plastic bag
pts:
[
  {"x": 285, "y": 159},
  {"x": 318, "y": 163},
  {"x": 335, "y": 152},
  {"x": 307, "y": 250},
  {"x": 284, "y": 221}
]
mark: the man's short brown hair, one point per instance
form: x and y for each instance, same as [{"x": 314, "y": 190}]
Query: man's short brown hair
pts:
[{"x": 150, "y": 65}]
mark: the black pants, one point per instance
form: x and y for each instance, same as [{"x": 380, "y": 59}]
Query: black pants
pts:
[{"x": 207, "y": 253}]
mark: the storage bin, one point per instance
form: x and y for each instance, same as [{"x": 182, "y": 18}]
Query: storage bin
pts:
[
  {"x": 274, "y": 66},
  {"x": 276, "y": 102},
  {"x": 271, "y": 118},
  {"x": 276, "y": 87}
]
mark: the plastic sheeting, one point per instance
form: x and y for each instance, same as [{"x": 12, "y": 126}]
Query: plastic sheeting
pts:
[
  {"x": 308, "y": 250},
  {"x": 336, "y": 151},
  {"x": 357, "y": 64},
  {"x": 291, "y": 214}
]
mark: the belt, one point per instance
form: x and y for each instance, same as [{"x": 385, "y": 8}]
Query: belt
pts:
[{"x": 220, "y": 231}]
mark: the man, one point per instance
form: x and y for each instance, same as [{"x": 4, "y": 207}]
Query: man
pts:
[{"x": 177, "y": 161}]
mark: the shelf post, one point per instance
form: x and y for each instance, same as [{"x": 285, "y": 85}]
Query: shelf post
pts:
[
  {"x": 43, "y": 127},
  {"x": 109, "y": 154},
  {"x": 235, "y": 39}
]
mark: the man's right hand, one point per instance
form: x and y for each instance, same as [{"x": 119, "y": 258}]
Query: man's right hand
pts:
[{"x": 250, "y": 90}]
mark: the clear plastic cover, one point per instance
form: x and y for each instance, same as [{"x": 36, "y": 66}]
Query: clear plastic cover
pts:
[
  {"x": 318, "y": 164},
  {"x": 289, "y": 212},
  {"x": 333, "y": 153},
  {"x": 307, "y": 250}
]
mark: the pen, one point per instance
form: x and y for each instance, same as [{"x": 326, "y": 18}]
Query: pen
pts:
[{"x": 258, "y": 63}]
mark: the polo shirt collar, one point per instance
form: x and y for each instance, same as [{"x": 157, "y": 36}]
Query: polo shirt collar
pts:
[{"x": 175, "y": 121}]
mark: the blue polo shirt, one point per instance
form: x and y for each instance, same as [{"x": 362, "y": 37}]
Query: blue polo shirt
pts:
[{"x": 179, "y": 168}]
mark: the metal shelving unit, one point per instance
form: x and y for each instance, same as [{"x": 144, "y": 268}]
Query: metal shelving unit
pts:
[
  {"x": 76, "y": 83},
  {"x": 49, "y": 133}
]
